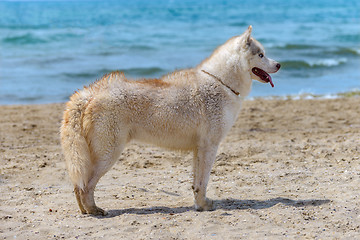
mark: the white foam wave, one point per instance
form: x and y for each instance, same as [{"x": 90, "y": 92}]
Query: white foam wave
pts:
[
  {"x": 328, "y": 62},
  {"x": 306, "y": 95}
]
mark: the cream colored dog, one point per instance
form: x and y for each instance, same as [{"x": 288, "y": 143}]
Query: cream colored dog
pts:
[{"x": 190, "y": 110}]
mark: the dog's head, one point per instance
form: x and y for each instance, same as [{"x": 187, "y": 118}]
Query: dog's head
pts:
[{"x": 259, "y": 65}]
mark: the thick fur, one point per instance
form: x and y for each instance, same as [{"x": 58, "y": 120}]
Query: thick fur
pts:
[{"x": 186, "y": 110}]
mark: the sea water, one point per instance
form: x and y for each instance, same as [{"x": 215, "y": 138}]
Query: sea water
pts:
[{"x": 49, "y": 49}]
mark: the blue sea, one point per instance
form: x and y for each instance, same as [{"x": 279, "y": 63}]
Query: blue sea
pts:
[{"x": 49, "y": 49}]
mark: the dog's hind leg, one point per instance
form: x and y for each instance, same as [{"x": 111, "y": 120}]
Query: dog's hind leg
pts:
[
  {"x": 88, "y": 201},
  {"x": 78, "y": 199},
  {"x": 102, "y": 165},
  {"x": 204, "y": 158}
]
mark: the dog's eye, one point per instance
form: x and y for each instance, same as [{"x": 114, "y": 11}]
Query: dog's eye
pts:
[{"x": 261, "y": 55}]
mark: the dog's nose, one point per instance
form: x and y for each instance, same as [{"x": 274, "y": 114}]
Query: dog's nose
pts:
[{"x": 278, "y": 66}]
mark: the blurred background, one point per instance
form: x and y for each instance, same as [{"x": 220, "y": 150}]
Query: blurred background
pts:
[{"x": 49, "y": 49}]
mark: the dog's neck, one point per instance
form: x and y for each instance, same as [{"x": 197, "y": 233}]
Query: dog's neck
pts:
[
  {"x": 217, "y": 78},
  {"x": 232, "y": 70},
  {"x": 236, "y": 79}
]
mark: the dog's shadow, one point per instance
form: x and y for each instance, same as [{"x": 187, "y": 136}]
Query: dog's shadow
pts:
[{"x": 225, "y": 204}]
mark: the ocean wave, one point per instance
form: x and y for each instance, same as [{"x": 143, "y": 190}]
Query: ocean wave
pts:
[
  {"x": 24, "y": 39},
  {"x": 297, "y": 46},
  {"x": 344, "y": 51},
  {"x": 238, "y": 24},
  {"x": 320, "y": 63},
  {"x": 354, "y": 38},
  {"x": 21, "y": 99},
  {"x": 87, "y": 75},
  {"x": 328, "y": 62},
  {"x": 62, "y": 36},
  {"x": 131, "y": 72},
  {"x": 24, "y": 26},
  {"x": 347, "y": 51},
  {"x": 141, "y": 48},
  {"x": 30, "y": 38},
  {"x": 304, "y": 95}
]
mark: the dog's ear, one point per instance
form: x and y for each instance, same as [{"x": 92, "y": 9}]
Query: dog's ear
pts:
[
  {"x": 247, "y": 36},
  {"x": 244, "y": 40}
]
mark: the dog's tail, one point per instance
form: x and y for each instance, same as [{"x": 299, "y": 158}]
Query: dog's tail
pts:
[{"x": 75, "y": 147}]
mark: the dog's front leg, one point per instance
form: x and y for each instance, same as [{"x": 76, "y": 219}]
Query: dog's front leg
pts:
[{"x": 204, "y": 158}]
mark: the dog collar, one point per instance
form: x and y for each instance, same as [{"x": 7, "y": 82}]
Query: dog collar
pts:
[{"x": 235, "y": 92}]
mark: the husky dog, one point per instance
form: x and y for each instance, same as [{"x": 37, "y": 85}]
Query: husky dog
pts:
[{"x": 187, "y": 110}]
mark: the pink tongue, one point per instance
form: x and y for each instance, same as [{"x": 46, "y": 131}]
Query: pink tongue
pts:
[
  {"x": 270, "y": 81},
  {"x": 266, "y": 77}
]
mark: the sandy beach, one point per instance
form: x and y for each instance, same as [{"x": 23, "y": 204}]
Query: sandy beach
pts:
[{"x": 288, "y": 169}]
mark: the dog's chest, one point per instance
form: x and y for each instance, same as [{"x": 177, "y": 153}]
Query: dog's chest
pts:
[{"x": 230, "y": 114}]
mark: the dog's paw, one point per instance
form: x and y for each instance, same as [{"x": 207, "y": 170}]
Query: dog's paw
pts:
[
  {"x": 97, "y": 211},
  {"x": 207, "y": 205}
]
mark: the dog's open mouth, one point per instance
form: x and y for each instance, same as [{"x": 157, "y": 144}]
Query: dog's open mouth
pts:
[{"x": 263, "y": 75}]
